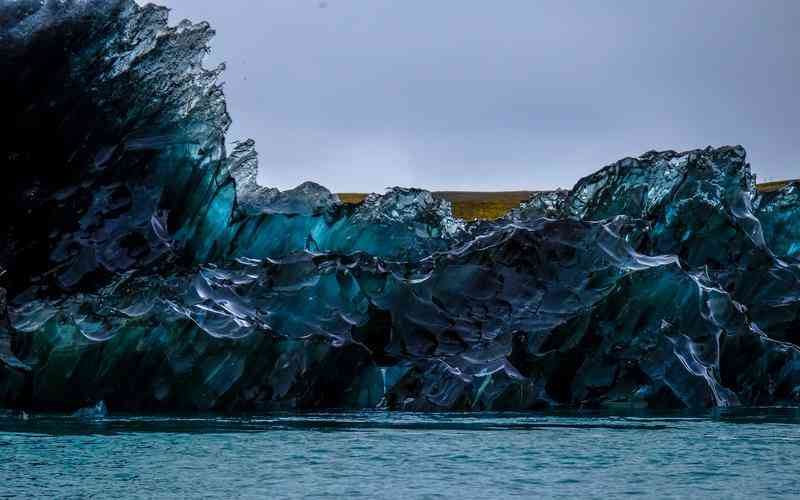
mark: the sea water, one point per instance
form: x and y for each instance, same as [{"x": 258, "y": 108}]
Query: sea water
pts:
[{"x": 722, "y": 454}]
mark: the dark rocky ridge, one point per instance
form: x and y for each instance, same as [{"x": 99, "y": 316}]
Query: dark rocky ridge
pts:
[{"x": 144, "y": 267}]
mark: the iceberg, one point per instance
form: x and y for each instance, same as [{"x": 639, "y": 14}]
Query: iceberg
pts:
[
  {"x": 142, "y": 265},
  {"x": 95, "y": 412}
]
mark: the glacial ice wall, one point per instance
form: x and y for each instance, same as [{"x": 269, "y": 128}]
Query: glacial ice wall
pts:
[{"x": 141, "y": 265}]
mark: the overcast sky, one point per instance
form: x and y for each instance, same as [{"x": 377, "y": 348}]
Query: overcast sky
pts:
[{"x": 479, "y": 95}]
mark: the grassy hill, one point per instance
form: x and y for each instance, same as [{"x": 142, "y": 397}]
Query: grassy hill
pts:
[
  {"x": 468, "y": 204},
  {"x": 491, "y": 205},
  {"x": 774, "y": 186}
]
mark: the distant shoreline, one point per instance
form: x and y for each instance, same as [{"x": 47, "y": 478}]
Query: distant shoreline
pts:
[
  {"x": 468, "y": 204},
  {"x": 766, "y": 187},
  {"x": 493, "y": 204}
]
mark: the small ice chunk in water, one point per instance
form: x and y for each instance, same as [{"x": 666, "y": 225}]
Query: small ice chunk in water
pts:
[{"x": 91, "y": 412}]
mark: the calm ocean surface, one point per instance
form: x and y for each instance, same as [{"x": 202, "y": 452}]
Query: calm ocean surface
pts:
[{"x": 728, "y": 454}]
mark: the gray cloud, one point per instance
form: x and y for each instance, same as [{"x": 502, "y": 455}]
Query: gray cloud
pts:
[{"x": 364, "y": 94}]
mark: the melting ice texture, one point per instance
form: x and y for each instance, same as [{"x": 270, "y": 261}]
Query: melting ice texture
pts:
[{"x": 143, "y": 266}]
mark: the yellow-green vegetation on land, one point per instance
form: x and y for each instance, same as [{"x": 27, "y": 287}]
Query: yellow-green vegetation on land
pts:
[
  {"x": 352, "y": 197},
  {"x": 491, "y": 205},
  {"x": 483, "y": 205},
  {"x": 773, "y": 186},
  {"x": 468, "y": 204}
]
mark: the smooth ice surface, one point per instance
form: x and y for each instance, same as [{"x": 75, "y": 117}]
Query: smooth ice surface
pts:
[
  {"x": 743, "y": 454},
  {"x": 142, "y": 265}
]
